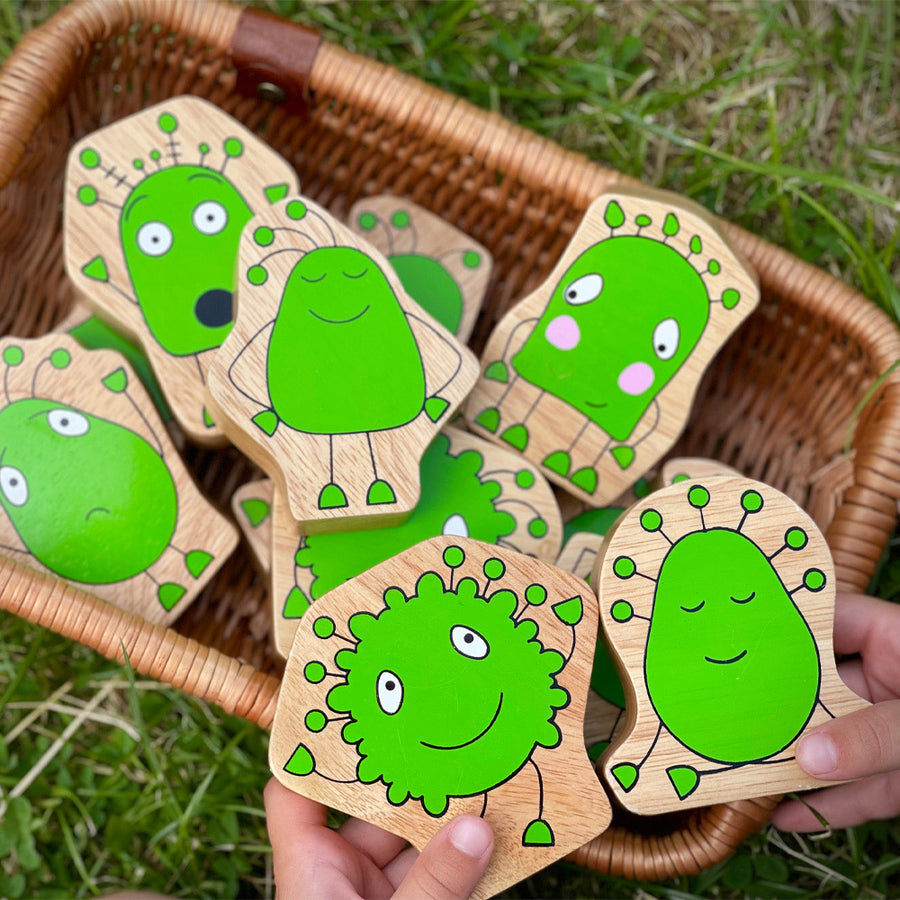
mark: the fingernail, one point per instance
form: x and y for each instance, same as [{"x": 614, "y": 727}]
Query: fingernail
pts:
[
  {"x": 471, "y": 835},
  {"x": 817, "y": 754}
]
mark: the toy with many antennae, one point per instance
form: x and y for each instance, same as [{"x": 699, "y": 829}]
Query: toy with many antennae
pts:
[
  {"x": 155, "y": 205},
  {"x": 718, "y": 603},
  {"x": 332, "y": 379},
  {"x": 593, "y": 374},
  {"x": 91, "y": 486}
]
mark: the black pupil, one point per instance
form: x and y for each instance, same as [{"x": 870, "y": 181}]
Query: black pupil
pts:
[
  {"x": 155, "y": 239},
  {"x": 13, "y": 481},
  {"x": 662, "y": 348},
  {"x": 63, "y": 422},
  {"x": 209, "y": 217},
  {"x": 573, "y": 293},
  {"x": 389, "y": 685},
  {"x": 469, "y": 638}
]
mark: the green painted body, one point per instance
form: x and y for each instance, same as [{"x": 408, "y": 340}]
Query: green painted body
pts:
[
  {"x": 342, "y": 357},
  {"x": 729, "y": 711},
  {"x": 645, "y": 283},
  {"x": 185, "y": 291},
  {"x": 431, "y": 286},
  {"x": 450, "y": 488},
  {"x": 465, "y": 725},
  {"x": 101, "y": 505}
]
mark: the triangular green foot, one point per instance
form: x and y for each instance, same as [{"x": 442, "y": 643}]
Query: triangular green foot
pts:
[
  {"x": 197, "y": 561},
  {"x": 626, "y": 774},
  {"x": 559, "y": 461},
  {"x": 569, "y": 611},
  {"x": 296, "y": 603},
  {"x": 380, "y": 492},
  {"x": 169, "y": 594},
  {"x": 538, "y": 834},
  {"x": 116, "y": 381},
  {"x": 586, "y": 479},
  {"x": 684, "y": 779},
  {"x": 256, "y": 511},
  {"x": 208, "y": 420},
  {"x": 516, "y": 436},
  {"x": 497, "y": 371},
  {"x": 266, "y": 421},
  {"x": 624, "y": 456},
  {"x": 435, "y": 407},
  {"x": 301, "y": 762},
  {"x": 489, "y": 418},
  {"x": 595, "y": 751},
  {"x": 332, "y": 497}
]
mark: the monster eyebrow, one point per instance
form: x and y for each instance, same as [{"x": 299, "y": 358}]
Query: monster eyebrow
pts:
[{"x": 131, "y": 205}]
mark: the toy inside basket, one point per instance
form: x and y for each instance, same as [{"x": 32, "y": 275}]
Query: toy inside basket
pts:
[{"x": 776, "y": 404}]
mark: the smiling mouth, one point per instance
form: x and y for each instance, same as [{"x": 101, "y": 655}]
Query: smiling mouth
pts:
[
  {"x": 341, "y": 321},
  {"x": 96, "y": 509},
  {"x": 726, "y": 662},
  {"x": 477, "y": 737},
  {"x": 595, "y": 405}
]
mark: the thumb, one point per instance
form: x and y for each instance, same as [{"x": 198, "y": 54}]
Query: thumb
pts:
[
  {"x": 861, "y": 743},
  {"x": 451, "y": 864}
]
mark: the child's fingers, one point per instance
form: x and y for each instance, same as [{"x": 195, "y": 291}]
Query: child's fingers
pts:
[
  {"x": 379, "y": 845},
  {"x": 860, "y": 621},
  {"x": 287, "y": 811},
  {"x": 859, "y": 744},
  {"x": 451, "y": 864},
  {"x": 396, "y": 870},
  {"x": 843, "y": 806}
]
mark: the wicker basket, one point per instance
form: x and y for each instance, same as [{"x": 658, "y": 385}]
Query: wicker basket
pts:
[{"x": 776, "y": 404}]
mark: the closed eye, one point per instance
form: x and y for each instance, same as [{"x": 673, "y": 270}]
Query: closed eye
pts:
[
  {"x": 314, "y": 280},
  {"x": 746, "y": 599},
  {"x": 356, "y": 276},
  {"x": 696, "y": 608}
]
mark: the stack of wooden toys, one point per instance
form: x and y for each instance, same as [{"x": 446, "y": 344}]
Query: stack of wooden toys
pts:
[{"x": 493, "y": 593}]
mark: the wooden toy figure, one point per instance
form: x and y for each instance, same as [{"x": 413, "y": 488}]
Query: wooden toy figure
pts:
[
  {"x": 592, "y": 376},
  {"x": 154, "y": 208},
  {"x": 718, "y": 603},
  {"x": 333, "y": 379},
  {"x": 91, "y": 487},
  {"x": 444, "y": 270},
  {"x": 470, "y": 488},
  {"x": 251, "y": 504},
  {"x": 448, "y": 679}
]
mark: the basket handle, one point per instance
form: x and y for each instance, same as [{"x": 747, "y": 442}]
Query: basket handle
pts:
[{"x": 274, "y": 59}]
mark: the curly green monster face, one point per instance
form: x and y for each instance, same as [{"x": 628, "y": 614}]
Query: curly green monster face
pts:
[
  {"x": 91, "y": 500},
  {"x": 620, "y": 323},
  {"x": 439, "y": 650},
  {"x": 340, "y": 328},
  {"x": 180, "y": 229}
]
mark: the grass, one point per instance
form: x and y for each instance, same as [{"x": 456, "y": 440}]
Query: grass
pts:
[{"x": 780, "y": 116}]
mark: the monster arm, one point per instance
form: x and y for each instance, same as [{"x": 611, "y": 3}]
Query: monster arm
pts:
[
  {"x": 449, "y": 345},
  {"x": 241, "y": 367},
  {"x": 507, "y": 353}
]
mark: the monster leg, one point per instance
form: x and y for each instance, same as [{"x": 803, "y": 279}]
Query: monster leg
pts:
[
  {"x": 195, "y": 561},
  {"x": 560, "y": 461},
  {"x": 538, "y": 833},
  {"x": 168, "y": 593},
  {"x": 332, "y": 496},
  {"x": 379, "y": 490},
  {"x": 296, "y": 603},
  {"x": 517, "y": 435},
  {"x": 624, "y": 454},
  {"x": 627, "y": 774},
  {"x": 207, "y": 418}
]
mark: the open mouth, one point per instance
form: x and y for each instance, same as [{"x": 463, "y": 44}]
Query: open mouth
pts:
[
  {"x": 726, "y": 662},
  {"x": 477, "y": 737},
  {"x": 96, "y": 509},
  {"x": 214, "y": 308},
  {"x": 340, "y": 321}
]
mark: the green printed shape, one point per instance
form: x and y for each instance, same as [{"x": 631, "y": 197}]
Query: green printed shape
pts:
[
  {"x": 670, "y": 225},
  {"x": 595, "y": 521},
  {"x": 489, "y": 419},
  {"x": 367, "y": 221},
  {"x": 116, "y": 381},
  {"x": 622, "y": 611},
  {"x": 619, "y": 325},
  {"x": 295, "y": 604},
  {"x": 585, "y": 479},
  {"x": 332, "y": 497},
  {"x": 94, "y": 334},
  {"x": 275, "y": 192},
  {"x": 446, "y": 649},
  {"x": 516, "y": 436},
  {"x": 315, "y": 720},
  {"x": 537, "y": 528},
  {"x": 596, "y": 750},
  {"x": 538, "y": 834},
  {"x": 168, "y": 123},
  {"x": 624, "y": 456},
  {"x": 569, "y": 611},
  {"x": 614, "y": 215},
  {"x": 730, "y": 298},
  {"x": 13, "y": 355},
  {"x": 169, "y": 594},
  {"x": 431, "y": 286},
  {"x": 301, "y": 762},
  {"x": 256, "y": 510},
  {"x": 208, "y": 420},
  {"x": 696, "y": 244},
  {"x": 747, "y": 665},
  {"x": 626, "y": 774},
  {"x": 179, "y": 230},
  {"x": 340, "y": 329},
  {"x": 90, "y": 158},
  {"x": 684, "y": 779},
  {"x": 559, "y": 462},
  {"x": 87, "y": 195},
  {"x": 197, "y": 562},
  {"x": 497, "y": 371},
  {"x": 92, "y": 500},
  {"x": 96, "y": 269},
  {"x": 435, "y": 407},
  {"x": 471, "y": 259},
  {"x": 452, "y": 491},
  {"x": 60, "y": 358},
  {"x": 380, "y": 492},
  {"x": 605, "y": 677},
  {"x": 266, "y": 421}
]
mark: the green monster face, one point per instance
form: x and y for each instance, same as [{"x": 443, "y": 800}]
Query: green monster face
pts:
[
  {"x": 339, "y": 329},
  {"x": 454, "y": 501},
  {"x": 91, "y": 500},
  {"x": 440, "y": 650},
  {"x": 180, "y": 229},
  {"x": 620, "y": 323}
]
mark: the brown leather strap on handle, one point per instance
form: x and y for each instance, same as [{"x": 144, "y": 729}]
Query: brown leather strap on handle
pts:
[{"x": 273, "y": 59}]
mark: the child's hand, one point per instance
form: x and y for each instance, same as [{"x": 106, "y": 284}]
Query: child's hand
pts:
[
  {"x": 864, "y": 744},
  {"x": 314, "y": 861}
]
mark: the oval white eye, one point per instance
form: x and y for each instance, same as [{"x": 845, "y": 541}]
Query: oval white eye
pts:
[
  {"x": 456, "y": 525},
  {"x": 665, "y": 338},
  {"x": 468, "y": 642},
  {"x": 13, "y": 485},
  {"x": 210, "y": 217},
  {"x": 389, "y": 690},
  {"x": 154, "y": 238},
  {"x": 68, "y": 423},
  {"x": 584, "y": 289}
]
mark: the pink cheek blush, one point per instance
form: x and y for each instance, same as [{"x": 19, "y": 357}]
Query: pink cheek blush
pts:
[
  {"x": 636, "y": 378},
  {"x": 563, "y": 333}
]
